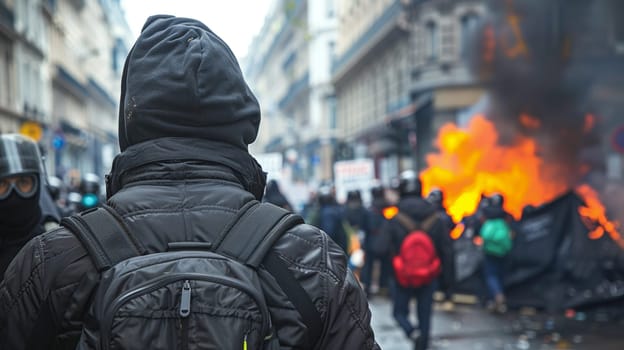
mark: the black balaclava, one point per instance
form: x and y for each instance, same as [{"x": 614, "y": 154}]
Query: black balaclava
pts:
[
  {"x": 18, "y": 216},
  {"x": 19, "y": 155}
]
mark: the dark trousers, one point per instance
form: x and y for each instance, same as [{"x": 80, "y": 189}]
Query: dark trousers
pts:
[
  {"x": 493, "y": 274},
  {"x": 367, "y": 270},
  {"x": 424, "y": 308}
]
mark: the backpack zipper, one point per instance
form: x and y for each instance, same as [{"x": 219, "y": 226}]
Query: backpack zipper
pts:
[
  {"x": 160, "y": 282},
  {"x": 185, "y": 300},
  {"x": 185, "y": 311}
]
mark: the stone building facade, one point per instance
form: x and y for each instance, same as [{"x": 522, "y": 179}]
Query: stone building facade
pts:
[{"x": 60, "y": 65}]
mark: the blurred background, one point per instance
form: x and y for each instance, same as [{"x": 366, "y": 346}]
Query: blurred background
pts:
[
  {"x": 522, "y": 98},
  {"x": 351, "y": 90}
]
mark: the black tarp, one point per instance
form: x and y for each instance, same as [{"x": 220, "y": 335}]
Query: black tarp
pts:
[{"x": 553, "y": 265}]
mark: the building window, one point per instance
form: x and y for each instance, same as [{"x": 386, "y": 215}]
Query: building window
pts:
[
  {"x": 330, "y": 8},
  {"x": 432, "y": 41},
  {"x": 332, "y": 106},
  {"x": 332, "y": 52},
  {"x": 468, "y": 27},
  {"x": 4, "y": 79}
]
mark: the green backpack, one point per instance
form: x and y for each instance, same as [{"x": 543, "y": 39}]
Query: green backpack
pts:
[{"x": 496, "y": 236}]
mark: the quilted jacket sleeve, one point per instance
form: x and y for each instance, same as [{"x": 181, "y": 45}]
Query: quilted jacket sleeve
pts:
[
  {"x": 48, "y": 267},
  {"x": 348, "y": 318},
  {"x": 320, "y": 265},
  {"x": 21, "y": 295}
]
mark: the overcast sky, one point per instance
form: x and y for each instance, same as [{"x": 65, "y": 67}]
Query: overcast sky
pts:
[{"x": 235, "y": 21}]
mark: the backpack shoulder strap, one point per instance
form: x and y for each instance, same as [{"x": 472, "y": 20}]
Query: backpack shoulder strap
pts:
[
  {"x": 107, "y": 240},
  {"x": 269, "y": 223},
  {"x": 104, "y": 235},
  {"x": 411, "y": 225}
]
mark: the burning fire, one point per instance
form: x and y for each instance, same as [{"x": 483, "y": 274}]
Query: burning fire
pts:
[
  {"x": 471, "y": 162},
  {"x": 529, "y": 122},
  {"x": 595, "y": 212},
  {"x": 590, "y": 122}
]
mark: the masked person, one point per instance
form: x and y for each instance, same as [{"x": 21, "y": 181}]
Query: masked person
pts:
[
  {"x": 184, "y": 208},
  {"x": 20, "y": 189}
]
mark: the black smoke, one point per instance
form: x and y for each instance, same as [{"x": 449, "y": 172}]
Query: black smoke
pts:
[{"x": 544, "y": 59}]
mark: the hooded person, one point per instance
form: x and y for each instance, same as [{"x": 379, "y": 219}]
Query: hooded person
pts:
[
  {"x": 274, "y": 195},
  {"x": 186, "y": 119},
  {"x": 20, "y": 193}
]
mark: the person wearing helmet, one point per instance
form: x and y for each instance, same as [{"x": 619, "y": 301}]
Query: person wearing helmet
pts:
[
  {"x": 497, "y": 235},
  {"x": 89, "y": 191},
  {"x": 58, "y": 194},
  {"x": 436, "y": 198},
  {"x": 20, "y": 190}
]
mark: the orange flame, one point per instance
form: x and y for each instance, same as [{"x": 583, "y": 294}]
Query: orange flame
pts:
[
  {"x": 457, "y": 231},
  {"x": 390, "y": 212},
  {"x": 596, "y": 212},
  {"x": 529, "y": 122},
  {"x": 590, "y": 122},
  {"x": 489, "y": 45},
  {"x": 470, "y": 163}
]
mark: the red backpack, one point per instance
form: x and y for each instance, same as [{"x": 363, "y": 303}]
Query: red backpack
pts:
[{"x": 417, "y": 263}]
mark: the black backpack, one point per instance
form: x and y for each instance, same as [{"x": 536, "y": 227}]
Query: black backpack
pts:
[{"x": 196, "y": 295}]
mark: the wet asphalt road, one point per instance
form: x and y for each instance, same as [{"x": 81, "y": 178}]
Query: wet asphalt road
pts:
[{"x": 469, "y": 327}]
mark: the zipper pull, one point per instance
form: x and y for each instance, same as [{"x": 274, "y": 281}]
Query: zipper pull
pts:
[
  {"x": 245, "y": 343},
  {"x": 185, "y": 300}
]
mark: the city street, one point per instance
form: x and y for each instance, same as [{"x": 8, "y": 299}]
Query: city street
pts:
[{"x": 472, "y": 328}]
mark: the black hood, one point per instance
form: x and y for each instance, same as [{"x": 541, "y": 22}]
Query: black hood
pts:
[{"x": 181, "y": 80}]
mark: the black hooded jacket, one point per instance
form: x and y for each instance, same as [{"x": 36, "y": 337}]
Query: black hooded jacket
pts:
[
  {"x": 184, "y": 172},
  {"x": 419, "y": 210}
]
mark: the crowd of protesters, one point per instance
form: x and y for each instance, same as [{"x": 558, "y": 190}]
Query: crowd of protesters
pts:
[
  {"x": 382, "y": 228},
  {"x": 374, "y": 236}
]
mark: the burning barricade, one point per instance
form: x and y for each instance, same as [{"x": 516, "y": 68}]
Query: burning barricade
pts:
[
  {"x": 566, "y": 252},
  {"x": 537, "y": 142}
]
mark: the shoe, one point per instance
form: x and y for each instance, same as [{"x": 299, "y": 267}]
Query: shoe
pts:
[
  {"x": 501, "y": 308},
  {"x": 416, "y": 339},
  {"x": 501, "y": 305},
  {"x": 490, "y": 306}
]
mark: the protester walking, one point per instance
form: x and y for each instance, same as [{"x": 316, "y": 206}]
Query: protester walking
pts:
[
  {"x": 422, "y": 251},
  {"x": 497, "y": 243},
  {"x": 377, "y": 245}
]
